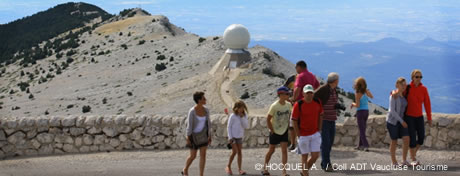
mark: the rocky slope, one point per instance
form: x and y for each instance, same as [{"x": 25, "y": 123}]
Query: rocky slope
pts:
[{"x": 138, "y": 64}]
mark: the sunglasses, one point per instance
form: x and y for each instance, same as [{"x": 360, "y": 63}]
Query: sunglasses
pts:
[{"x": 418, "y": 77}]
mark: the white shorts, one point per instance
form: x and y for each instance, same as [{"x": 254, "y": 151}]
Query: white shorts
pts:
[{"x": 308, "y": 144}]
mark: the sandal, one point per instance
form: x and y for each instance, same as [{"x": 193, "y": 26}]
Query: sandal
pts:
[
  {"x": 242, "y": 172},
  {"x": 228, "y": 171},
  {"x": 265, "y": 173},
  {"x": 182, "y": 173}
]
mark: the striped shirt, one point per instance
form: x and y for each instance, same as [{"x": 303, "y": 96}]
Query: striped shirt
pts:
[{"x": 330, "y": 113}]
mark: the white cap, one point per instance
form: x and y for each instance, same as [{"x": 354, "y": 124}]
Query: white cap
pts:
[{"x": 308, "y": 88}]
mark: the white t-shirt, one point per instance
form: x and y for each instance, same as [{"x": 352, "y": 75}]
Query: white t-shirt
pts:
[{"x": 201, "y": 124}]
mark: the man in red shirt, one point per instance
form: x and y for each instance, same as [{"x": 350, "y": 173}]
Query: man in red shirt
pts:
[
  {"x": 307, "y": 121},
  {"x": 303, "y": 78}
]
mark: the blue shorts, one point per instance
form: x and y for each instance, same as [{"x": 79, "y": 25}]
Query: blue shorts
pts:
[{"x": 397, "y": 131}]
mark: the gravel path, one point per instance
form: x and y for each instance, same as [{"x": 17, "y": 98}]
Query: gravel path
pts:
[{"x": 170, "y": 162}]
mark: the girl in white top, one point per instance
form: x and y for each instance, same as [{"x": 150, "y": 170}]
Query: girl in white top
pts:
[{"x": 237, "y": 122}]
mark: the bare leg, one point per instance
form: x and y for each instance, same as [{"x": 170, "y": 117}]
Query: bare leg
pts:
[
  {"x": 393, "y": 145},
  {"x": 268, "y": 156},
  {"x": 232, "y": 156},
  {"x": 202, "y": 159},
  {"x": 189, "y": 160},
  {"x": 412, "y": 154},
  {"x": 240, "y": 155},
  {"x": 417, "y": 147},
  {"x": 305, "y": 164},
  {"x": 312, "y": 160},
  {"x": 284, "y": 156},
  {"x": 293, "y": 136},
  {"x": 405, "y": 148}
]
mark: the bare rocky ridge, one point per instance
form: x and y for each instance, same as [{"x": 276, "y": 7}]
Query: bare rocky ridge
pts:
[{"x": 141, "y": 64}]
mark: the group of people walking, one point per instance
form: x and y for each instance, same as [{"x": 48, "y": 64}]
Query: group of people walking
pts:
[{"x": 305, "y": 115}]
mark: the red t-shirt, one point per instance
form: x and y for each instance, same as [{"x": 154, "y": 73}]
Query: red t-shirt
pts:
[
  {"x": 303, "y": 79},
  {"x": 309, "y": 117}
]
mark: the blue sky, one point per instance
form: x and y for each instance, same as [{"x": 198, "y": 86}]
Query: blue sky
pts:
[{"x": 351, "y": 20}]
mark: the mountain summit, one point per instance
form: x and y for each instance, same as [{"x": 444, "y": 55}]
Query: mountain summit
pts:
[
  {"x": 20, "y": 36},
  {"x": 137, "y": 63}
]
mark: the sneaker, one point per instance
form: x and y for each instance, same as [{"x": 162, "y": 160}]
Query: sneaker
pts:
[
  {"x": 295, "y": 150},
  {"x": 366, "y": 149},
  {"x": 358, "y": 148},
  {"x": 415, "y": 163},
  {"x": 405, "y": 163},
  {"x": 329, "y": 168},
  {"x": 292, "y": 147}
]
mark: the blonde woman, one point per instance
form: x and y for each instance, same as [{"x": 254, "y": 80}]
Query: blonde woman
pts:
[{"x": 416, "y": 95}]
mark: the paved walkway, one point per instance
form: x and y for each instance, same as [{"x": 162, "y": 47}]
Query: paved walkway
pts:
[{"x": 170, "y": 162}]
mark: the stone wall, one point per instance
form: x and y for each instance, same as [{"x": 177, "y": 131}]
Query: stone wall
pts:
[{"x": 81, "y": 134}]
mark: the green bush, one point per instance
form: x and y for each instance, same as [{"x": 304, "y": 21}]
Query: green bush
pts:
[
  {"x": 266, "y": 56},
  {"x": 201, "y": 39},
  {"x": 59, "y": 55},
  {"x": 161, "y": 57},
  {"x": 270, "y": 73},
  {"x": 70, "y": 53},
  {"x": 141, "y": 42},
  {"x": 160, "y": 67},
  {"x": 23, "y": 86},
  {"x": 86, "y": 109},
  {"x": 69, "y": 60},
  {"x": 245, "y": 96},
  {"x": 351, "y": 96},
  {"x": 377, "y": 112},
  {"x": 42, "y": 80}
]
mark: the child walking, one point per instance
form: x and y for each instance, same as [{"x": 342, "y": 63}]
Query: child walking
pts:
[
  {"x": 237, "y": 122},
  {"x": 278, "y": 122}
]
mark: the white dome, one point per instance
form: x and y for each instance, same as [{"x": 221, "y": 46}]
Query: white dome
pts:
[{"x": 236, "y": 36}]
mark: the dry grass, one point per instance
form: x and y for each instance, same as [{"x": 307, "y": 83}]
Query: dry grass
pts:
[{"x": 120, "y": 25}]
